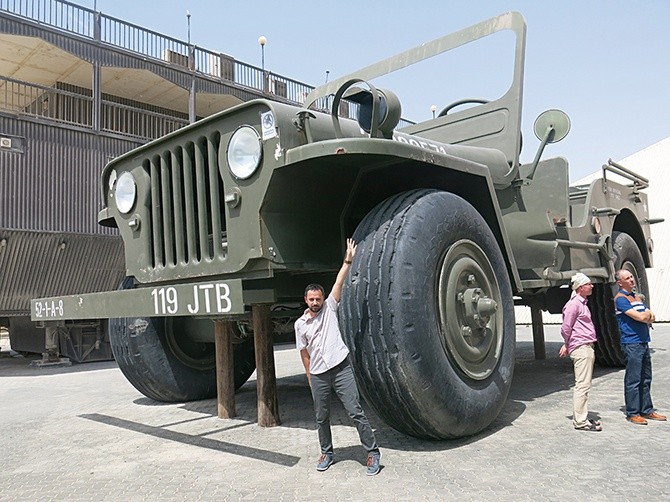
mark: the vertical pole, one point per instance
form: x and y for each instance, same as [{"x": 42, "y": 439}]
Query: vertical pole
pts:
[
  {"x": 97, "y": 92},
  {"x": 225, "y": 370},
  {"x": 266, "y": 380},
  {"x": 538, "y": 332},
  {"x": 192, "y": 91}
]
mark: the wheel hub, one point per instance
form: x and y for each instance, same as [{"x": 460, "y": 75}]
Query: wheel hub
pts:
[
  {"x": 477, "y": 306},
  {"x": 184, "y": 337},
  {"x": 470, "y": 320}
]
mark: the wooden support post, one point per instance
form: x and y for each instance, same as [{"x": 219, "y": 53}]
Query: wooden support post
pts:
[
  {"x": 538, "y": 332},
  {"x": 266, "y": 380},
  {"x": 225, "y": 370}
]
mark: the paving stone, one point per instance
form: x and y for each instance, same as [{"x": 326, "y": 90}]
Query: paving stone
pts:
[{"x": 84, "y": 433}]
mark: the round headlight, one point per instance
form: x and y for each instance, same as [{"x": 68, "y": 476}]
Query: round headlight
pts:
[
  {"x": 244, "y": 152},
  {"x": 125, "y": 193}
]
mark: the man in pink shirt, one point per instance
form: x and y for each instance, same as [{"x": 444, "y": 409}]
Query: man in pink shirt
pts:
[{"x": 579, "y": 334}]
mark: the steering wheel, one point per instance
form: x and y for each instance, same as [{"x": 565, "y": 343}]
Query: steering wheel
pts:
[{"x": 460, "y": 102}]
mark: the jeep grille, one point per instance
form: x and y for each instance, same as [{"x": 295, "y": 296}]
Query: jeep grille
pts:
[{"x": 187, "y": 224}]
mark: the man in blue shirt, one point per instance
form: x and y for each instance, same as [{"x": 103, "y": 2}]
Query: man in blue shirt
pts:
[{"x": 634, "y": 320}]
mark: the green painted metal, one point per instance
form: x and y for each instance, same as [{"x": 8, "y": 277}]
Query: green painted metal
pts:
[
  {"x": 205, "y": 299},
  {"x": 319, "y": 175}
]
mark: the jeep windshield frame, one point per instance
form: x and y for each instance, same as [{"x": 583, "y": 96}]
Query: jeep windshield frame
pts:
[{"x": 504, "y": 135}]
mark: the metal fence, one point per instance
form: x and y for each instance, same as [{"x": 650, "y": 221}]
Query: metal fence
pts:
[
  {"x": 23, "y": 98},
  {"x": 88, "y": 23},
  {"x": 76, "y": 108},
  {"x": 125, "y": 119},
  {"x": 62, "y": 15},
  {"x": 85, "y": 22}
]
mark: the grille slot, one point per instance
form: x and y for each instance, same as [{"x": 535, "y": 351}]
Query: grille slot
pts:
[{"x": 187, "y": 226}]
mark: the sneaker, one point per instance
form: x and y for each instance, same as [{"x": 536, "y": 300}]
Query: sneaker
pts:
[
  {"x": 637, "y": 419},
  {"x": 655, "y": 416},
  {"x": 325, "y": 461},
  {"x": 373, "y": 463}
]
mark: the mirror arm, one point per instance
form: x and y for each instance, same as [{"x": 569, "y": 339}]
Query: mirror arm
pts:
[{"x": 545, "y": 139}]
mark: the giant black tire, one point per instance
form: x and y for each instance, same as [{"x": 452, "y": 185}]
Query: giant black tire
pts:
[
  {"x": 626, "y": 255},
  {"x": 160, "y": 358},
  {"x": 426, "y": 263}
]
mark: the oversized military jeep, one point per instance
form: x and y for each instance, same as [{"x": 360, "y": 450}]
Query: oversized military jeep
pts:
[{"x": 248, "y": 206}]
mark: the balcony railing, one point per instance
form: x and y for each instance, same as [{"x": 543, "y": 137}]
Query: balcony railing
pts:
[
  {"x": 87, "y": 23},
  {"x": 76, "y": 108},
  {"x": 107, "y": 30}
]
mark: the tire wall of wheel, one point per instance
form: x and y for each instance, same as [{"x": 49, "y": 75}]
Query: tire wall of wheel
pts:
[
  {"x": 145, "y": 357},
  {"x": 394, "y": 330},
  {"x": 149, "y": 365}
]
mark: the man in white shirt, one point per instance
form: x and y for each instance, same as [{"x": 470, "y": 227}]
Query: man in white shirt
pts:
[{"x": 324, "y": 356}]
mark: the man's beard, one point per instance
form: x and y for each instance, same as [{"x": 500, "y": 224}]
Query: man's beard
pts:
[{"x": 315, "y": 309}]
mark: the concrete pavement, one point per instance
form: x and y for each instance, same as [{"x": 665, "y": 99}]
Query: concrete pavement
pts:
[{"x": 84, "y": 433}]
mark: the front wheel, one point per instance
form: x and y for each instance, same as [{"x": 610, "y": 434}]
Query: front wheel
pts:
[
  {"x": 166, "y": 359},
  {"x": 427, "y": 312}
]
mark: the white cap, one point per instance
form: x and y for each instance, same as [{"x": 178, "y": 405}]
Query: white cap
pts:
[{"x": 579, "y": 279}]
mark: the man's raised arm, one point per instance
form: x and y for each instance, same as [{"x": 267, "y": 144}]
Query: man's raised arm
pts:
[{"x": 344, "y": 271}]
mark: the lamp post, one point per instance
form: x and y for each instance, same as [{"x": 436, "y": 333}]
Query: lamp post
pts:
[
  {"x": 262, "y": 41},
  {"x": 188, "y": 27},
  {"x": 433, "y": 109},
  {"x": 191, "y": 66}
]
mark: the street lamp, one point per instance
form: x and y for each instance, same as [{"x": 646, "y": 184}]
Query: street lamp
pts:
[
  {"x": 188, "y": 27},
  {"x": 433, "y": 109},
  {"x": 262, "y": 41},
  {"x": 191, "y": 67}
]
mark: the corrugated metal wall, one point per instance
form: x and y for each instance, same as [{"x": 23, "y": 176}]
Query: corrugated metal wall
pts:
[
  {"x": 34, "y": 264},
  {"x": 53, "y": 183}
]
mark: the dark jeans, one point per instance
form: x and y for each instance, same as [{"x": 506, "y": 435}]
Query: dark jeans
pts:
[
  {"x": 637, "y": 382},
  {"x": 341, "y": 380}
]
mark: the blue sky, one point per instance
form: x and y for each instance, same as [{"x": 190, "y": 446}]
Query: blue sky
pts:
[{"x": 605, "y": 63}]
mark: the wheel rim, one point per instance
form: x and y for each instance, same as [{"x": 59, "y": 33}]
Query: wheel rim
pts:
[
  {"x": 182, "y": 334},
  {"x": 471, "y": 322},
  {"x": 630, "y": 267}
]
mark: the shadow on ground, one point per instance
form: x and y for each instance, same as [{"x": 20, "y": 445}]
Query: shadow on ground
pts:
[{"x": 532, "y": 380}]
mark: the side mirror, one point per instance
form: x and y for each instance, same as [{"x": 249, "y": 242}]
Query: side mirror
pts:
[{"x": 550, "y": 126}]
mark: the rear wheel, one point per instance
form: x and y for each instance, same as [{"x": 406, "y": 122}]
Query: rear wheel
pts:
[
  {"x": 166, "y": 359},
  {"x": 427, "y": 312},
  {"x": 627, "y": 256}
]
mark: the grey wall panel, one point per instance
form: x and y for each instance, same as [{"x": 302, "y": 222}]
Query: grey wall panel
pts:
[
  {"x": 38, "y": 264},
  {"x": 53, "y": 184}
]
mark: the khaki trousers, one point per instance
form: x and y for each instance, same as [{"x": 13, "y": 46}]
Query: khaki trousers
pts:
[{"x": 583, "y": 358}]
